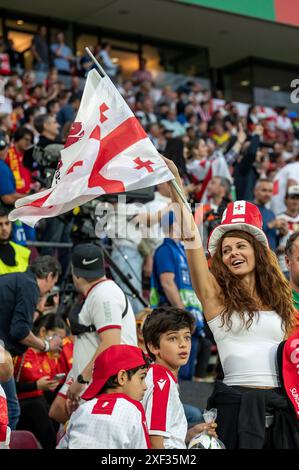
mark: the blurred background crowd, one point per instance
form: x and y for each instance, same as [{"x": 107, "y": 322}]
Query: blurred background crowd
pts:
[{"x": 224, "y": 151}]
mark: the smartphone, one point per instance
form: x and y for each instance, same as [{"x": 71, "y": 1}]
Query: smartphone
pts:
[
  {"x": 50, "y": 300},
  {"x": 59, "y": 376}
]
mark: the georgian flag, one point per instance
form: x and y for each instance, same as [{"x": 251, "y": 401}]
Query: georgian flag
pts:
[{"x": 107, "y": 151}]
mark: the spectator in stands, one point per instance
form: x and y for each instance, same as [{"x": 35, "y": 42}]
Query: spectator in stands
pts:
[
  {"x": 292, "y": 262},
  {"x": 110, "y": 68},
  {"x": 140, "y": 319},
  {"x": 146, "y": 113},
  {"x": 6, "y": 365},
  {"x": 5, "y": 68},
  {"x": 127, "y": 91},
  {"x": 22, "y": 140},
  {"x": 48, "y": 128},
  {"x": 118, "y": 381},
  {"x": 9, "y": 97},
  {"x": 106, "y": 317},
  {"x": 53, "y": 107},
  {"x": 66, "y": 115},
  {"x": 285, "y": 177},
  {"x": 13, "y": 257},
  {"x": 8, "y": 192},
  {"x": 6, "y": 372},
  {"x": 16, "y": 58},
  {"x": 167, "y": 336},
  {"x": 245, "y": 173},
  {"x": 62, "y": 54},
  {"x": 142, "y": 74},
  {"x": 291, "y": 216},
  {"x": 35, "y": 376},
  {"x": 284, "y": 124},
  {"x": 40, "y": 50},
  {"x": 29, "y": 116},
  {"x": 218, "y": 194},
  {"x": 171, "y": 123},
  {"x": 272, "y": 226},
  {"x": 19, "y": 294},
  {"x": 219, "y": 134}
]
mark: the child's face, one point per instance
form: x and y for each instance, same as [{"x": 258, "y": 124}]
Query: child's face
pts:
[
  {"x": 174, "y": 349},
  {"x": 136, "y": 387}
]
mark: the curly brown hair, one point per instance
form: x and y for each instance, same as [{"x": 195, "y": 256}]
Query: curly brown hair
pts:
[{"x": 272, "y": 287}]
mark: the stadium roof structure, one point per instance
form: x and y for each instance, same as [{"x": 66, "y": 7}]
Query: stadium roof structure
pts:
[{"x": 230, "y": 37}]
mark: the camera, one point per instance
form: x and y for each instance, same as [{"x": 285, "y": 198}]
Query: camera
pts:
[{"x": 47, "y": 160}]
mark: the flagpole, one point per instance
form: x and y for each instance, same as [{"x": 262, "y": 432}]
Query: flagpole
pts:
[
  {"x": 95, "y": 61},
  {"x": 181, "y": 195},
  {"x": 172, "y": 182}
]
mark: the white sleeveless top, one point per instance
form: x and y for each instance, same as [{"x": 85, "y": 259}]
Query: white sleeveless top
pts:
[{"x": 248, "y": 356}]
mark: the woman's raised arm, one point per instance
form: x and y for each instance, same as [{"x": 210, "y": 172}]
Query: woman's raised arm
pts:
[{"x": 203, "y": 281}]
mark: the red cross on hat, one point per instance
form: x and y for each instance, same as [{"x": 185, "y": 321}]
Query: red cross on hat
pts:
[{"x": 239, "y": 215}]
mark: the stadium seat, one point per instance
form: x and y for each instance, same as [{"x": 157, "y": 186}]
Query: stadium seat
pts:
[{"x": 23, "y": 440}]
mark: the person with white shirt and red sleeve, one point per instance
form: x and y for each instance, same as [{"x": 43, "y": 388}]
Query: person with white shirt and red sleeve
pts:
[
  {"x": 106, "y": 316},
  {"x": 167, "y": 335},
  {"x": 112, "y": 416},
  {"x": 291, "y": 216},
  {"x": 6, "y": 372},
  {"x": 4, "y": 428}
]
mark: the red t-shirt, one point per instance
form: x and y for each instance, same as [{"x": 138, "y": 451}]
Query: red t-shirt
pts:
[
  {"x": 34, "y": 365},
  {"x": 65, "y": 360}
]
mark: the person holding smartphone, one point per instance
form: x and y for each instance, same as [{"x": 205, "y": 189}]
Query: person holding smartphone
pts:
[{"x": 37, "y": 379}]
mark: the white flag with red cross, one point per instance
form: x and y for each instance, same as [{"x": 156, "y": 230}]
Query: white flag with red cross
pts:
[{"x": 107, "y": 151}]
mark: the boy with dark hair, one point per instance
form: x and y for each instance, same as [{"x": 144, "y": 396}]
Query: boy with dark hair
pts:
[
  {"x": 112, "y": 417},
  {"x": 167, "y": 335}
]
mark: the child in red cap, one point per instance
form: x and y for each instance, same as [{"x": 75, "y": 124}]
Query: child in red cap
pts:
[{"x": 112, "y": 417}]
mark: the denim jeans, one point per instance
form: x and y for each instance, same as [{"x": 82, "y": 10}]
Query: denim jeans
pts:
[
  {"x": 193, "y": 414},
  {"x": 129, "y": 261},
  {"x": 12, "y": 403}
]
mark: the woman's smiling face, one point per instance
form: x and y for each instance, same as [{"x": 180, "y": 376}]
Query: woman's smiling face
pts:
[{"x": 238, "y": 255}]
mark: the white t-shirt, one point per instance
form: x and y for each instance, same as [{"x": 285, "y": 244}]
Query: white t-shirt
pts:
[
  {"x": 117, "y": 222},
  {"x": 155, "y": 232},
  {"x": 284, "y": 123},
  {"x": 248, "y": 356},
  {"x": 110, "y": 421},
  {"x": 164, "y": 411},
  {"x": 288, "y": 172},
  {"x": 293, "y": 226},
  {"x": 103, "y": 308},
  {"x": 4, "y": 429}
]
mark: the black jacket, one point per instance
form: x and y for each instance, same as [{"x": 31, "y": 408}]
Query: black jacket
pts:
[
  {"x": 241, "y": 418},
  {"x": 245, "y": 173},
  {"x": 19, "y": 294}
]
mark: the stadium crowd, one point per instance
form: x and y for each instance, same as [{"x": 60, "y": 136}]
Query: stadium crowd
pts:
[{"x": 224, "y": 152}]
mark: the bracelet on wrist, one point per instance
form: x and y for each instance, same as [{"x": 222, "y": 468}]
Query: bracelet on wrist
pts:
[{"x": 47, "y": 346}]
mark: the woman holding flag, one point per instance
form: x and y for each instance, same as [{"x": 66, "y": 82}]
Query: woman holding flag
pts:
[{"x": 247, "y": 303}]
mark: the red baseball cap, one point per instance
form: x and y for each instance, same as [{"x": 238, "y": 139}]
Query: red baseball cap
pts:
[
  {"x": 109, "y": 363},
  {"x": 239, "y": 215}
]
